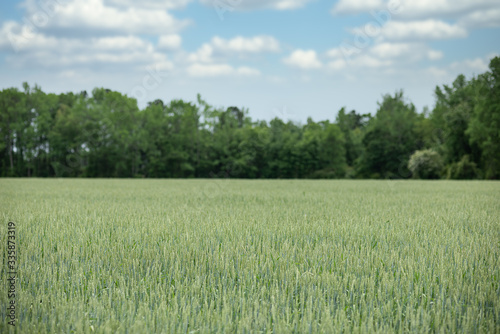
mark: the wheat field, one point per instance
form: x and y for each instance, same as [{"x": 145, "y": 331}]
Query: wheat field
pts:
[{"x": 242, "y": 256}]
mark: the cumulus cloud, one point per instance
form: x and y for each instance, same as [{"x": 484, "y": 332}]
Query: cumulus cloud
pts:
[
  {"x": 415, "y": 9},
  {"x": 15, "y": 33},
  {"x": 407, "y": 31},
  {"x": 216, "y": 70},
  {"x": 362, "y": 61},
  {"x": 169, "y": 42},
  {"x": 356, "y": 6},
  {"x": 337, "y": 64},
  {"x": 398, "y": 30},
  {"x": 392, "y": 50},
  {"x": 427, "y": 30},
  {"x": 16, "y": 37},
  {"x": 250, "y": 45},
  {"x": 477, "y": 65},
  {"x": 408, "y": 51},
  {"x": 467, "y": 67},
  {"x": 303, "y": 59},
  {"x": 204, "y": 54},
  {"x": 219, "y": 48},
  {"x": 434, "y": 55},
  {"x": 39, "y": 50},
  {"x": 208, "y": 60},
  {"x": 68, "y": 35},
  {"x": 156, "y": 4},
  {"x": 96, "y": 16},
  {"x": 408, "y": 20},
  {"x": 382, "y": 55},
  {"x": 243, "y": 5},
  {"x": 482, "y": 18}
]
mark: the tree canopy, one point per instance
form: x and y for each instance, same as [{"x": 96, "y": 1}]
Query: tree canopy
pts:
[{"x": 105, "y": 134}]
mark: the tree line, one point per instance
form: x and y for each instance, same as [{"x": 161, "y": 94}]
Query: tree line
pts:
[{"x": 105, "y": 134}]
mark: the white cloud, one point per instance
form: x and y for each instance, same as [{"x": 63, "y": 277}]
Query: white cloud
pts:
[
  {"x": 304, "y": 59},
  {"x": 288, "y": 4},
  {"x": 16, "y": 37},
  {"x": 468, "y": 67},
  {"x": 360, "y": 62},
  {"x": 25, "y": 40},
  {"x": 356, "y": 6},
  {"x": 203, "y": 54},
  {"x": 477, "y": 65},
  {"x": 155, "y": 4},
  {"x": 415, "y": 9},
  {"x": 382, "y": 55},
  {"x": 247, "y": 71},
  {"x": 219, "y": 48},
  {"x": 482, "y": 18},
  {"x": 48, "y": 59},
  {"x": 443, "y": 8},
  {"x": 408, "y": 51},
  {"x": 120, "y": 43},
  {"x": 357, "y": 66},
  {"x": 242, "y": 5},
  {"x": 255, "y": 44},
  {"x": 169, "y": 42},
  {"x": 94, "y": 16},
  {"x": 391, "y": 50},
  {"x": 427, "y": 30},
  {"x": 39, "y": 50},
  {"x": 371, "y": 62},
  {"x": 434, "y": 55},
  {"x": 337, "y": 64},
  {"x": 334, "y": 53},
  {"x": 215, "y": 70}
]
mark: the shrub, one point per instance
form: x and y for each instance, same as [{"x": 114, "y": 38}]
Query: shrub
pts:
[
  {"x": 426, "y": 164},
  {"x": 463, "y": 169}
]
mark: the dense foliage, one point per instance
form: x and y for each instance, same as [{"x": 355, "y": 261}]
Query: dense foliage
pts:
[
  {"x": 426, "y": 164},
  {"x": 105, "y": 134}
]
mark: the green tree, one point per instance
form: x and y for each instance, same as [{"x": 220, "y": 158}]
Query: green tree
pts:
[
  {"x": 283, "y": 151},
  {"x": 390, "y": 139},
  {"x": 484, "y": 127},
  {"x": 463, "y": 169},
  {"x": 450, "y": 118},
  {"x": 250, "y": 160},
  {"x": 12, "y": 123},
  {"x": 353, "y": 127}
]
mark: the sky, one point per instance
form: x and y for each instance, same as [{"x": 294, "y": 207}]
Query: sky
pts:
[{"x": 291, "y": 59}]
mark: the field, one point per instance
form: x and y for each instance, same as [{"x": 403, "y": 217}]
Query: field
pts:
[{"x": 282, "y": 256}]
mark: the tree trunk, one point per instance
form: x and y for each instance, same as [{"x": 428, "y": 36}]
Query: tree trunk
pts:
[{"x": 9, "y": 141}]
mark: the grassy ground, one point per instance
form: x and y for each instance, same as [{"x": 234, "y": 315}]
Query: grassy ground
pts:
[{"x": 199, "y": 256}]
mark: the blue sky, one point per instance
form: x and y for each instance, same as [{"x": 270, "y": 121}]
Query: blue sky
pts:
[{"x": 279, "y": 58}]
